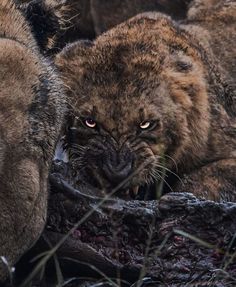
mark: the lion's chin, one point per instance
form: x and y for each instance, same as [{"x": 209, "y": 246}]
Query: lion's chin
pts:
[{"x": 91, "y": 185}]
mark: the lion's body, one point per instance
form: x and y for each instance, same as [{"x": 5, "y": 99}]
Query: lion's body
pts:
[
  {"x": 31, "y": 113},
  {"x": 177, "y": 76},
  {"x": 218, "y": 19}
]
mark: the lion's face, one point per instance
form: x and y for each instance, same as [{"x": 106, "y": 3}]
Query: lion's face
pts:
[
  {"x": 131, "y": 109},
  {"x": 113, "y": 139}
]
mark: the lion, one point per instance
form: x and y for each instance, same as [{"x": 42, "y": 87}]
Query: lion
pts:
[
  {"x": 153, "y": 104},
  {"x": 32, "y": 108}
]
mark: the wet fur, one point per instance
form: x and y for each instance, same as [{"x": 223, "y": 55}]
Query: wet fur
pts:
[{"x": 31, "y": 114}]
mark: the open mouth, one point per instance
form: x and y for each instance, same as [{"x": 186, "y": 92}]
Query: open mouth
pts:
[
  {"x": 141, "y": 192},
  {"x": 138, "y": 192},
  {"x": 91, "y": 185}
]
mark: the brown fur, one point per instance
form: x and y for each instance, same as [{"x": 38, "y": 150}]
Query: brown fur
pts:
[
  {"x": 218, "y": 19},
  {"x": 30, "y": 121},
  {"x": 151, "y": 68}
]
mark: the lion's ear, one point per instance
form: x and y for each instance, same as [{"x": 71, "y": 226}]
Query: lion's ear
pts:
[{"x": 73, "y": 57}]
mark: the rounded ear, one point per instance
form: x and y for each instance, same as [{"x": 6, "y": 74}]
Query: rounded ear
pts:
[
  {"x": 45, "y": 21},
  {"x": 55, "y": 23},
  {"x": 69, "y": 60}
]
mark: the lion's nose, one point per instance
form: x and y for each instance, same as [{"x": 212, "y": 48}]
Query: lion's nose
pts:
[
  {"x": 118, "y": 166},
  {"x": 117, "y": 174}
]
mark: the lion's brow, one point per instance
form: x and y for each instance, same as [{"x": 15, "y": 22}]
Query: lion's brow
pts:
[
  {"x": 142, "y": 114},
  {"x": 89, "y": 111}
]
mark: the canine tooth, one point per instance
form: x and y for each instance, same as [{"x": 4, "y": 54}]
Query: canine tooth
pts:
[
  {"x": 135, "y": 190},
  {"x": 127, "y": 192}
]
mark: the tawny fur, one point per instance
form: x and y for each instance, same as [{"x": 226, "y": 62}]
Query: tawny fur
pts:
[
  {"x": 218, "y": 19},
  {"x": 152, "y": 68},
  {"x": 31, "y": 114}
]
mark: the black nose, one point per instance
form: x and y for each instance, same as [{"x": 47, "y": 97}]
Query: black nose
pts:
[{"x": 117, "y": 166}]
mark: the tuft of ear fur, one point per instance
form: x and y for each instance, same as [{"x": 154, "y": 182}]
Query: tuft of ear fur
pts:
[
  {"x": 58, "y": 22},
  {"x": 46, "y": 20}
]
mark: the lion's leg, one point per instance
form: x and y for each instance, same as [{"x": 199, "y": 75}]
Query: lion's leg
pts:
[
  {"x": 23, "y": 199},
  {"x": 215, "y": 181}
]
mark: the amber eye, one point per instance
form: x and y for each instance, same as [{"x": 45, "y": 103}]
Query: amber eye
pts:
[
  {"x": 90, "y": 123},
  {"x": 145, "y": 125}
]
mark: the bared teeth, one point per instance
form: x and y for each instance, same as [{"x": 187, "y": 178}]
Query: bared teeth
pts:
[
  {"x": 127, "y": 192},
  {"x": 135, "y": 190}
]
